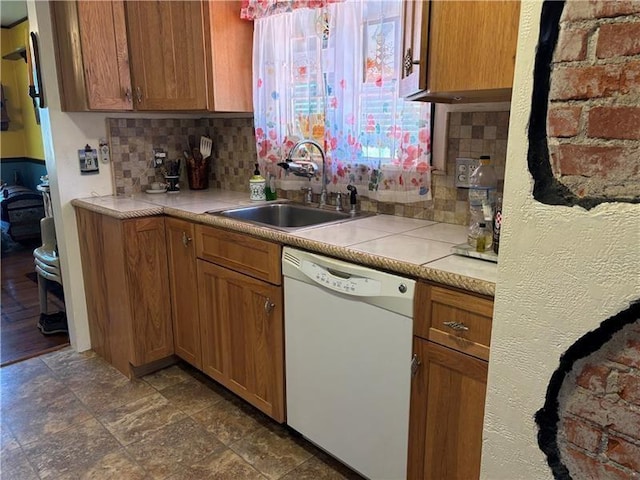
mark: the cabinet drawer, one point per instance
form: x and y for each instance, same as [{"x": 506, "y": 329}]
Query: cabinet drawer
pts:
[
  {"x": 242, "y": 253},
  {"x": 457, "y": 320}
]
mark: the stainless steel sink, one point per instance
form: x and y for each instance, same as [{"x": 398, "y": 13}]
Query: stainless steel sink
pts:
[{"x": 288, "y": 216}]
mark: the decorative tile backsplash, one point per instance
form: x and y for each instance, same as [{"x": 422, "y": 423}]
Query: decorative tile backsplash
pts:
[
  {"x": 234, "y": 153},
  {"x": 132, "y": 141},
  {"x": 471, "y": 134}
]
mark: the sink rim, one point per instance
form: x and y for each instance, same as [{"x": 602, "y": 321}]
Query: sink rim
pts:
[{"x": 343, "y": 216}]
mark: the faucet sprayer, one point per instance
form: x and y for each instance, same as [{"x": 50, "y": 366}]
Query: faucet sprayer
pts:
[{"x": 303, "y": 168}]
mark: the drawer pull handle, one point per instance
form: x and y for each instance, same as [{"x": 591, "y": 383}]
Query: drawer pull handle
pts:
[
  {"x": 268, "y": 306},
  {"x": 460, "y": 327},
  {"x": 185, "y": 239}
]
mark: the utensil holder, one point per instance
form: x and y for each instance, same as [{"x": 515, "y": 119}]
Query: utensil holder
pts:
[{"x": 198, "y": 175}]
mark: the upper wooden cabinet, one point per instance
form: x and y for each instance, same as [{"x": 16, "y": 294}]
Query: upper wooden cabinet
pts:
[
  {"x": 153, "y": 55},
  {"x": 459, "y": 51},
  {"x": 93, "y": 63},
  {"x": 167, "y": 51}
]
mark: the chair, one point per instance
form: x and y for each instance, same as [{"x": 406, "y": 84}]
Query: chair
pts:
[
  {"x": 47, "y": 262},
  {"x": 47, "y": 266}
]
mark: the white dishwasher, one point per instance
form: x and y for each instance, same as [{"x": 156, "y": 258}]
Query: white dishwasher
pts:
[{"x": 348, "y": 335}]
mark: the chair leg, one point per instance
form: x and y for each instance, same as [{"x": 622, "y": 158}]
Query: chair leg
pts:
[{"x": 42, "y": 290}]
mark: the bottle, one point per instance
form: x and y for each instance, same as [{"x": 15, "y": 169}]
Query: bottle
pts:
[
  {"x": 270, "y": 188},
  {"x": 257, "y": 185},
  {"x": 482, "y": 190},
  {"x": 497, "y": 223},
  {"x": 480, "y": 237}
]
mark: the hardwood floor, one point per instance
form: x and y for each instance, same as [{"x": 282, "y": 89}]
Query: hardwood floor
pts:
[{"x": 19, "y": 334}]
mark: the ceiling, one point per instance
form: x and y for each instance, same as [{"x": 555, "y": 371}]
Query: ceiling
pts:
[{"x": 12, "y": 11}]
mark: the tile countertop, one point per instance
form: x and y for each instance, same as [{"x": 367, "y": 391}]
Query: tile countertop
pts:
[{"x": 418, "y": 248}]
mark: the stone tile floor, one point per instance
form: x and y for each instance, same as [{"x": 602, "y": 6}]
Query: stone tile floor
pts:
[{"x": 66, "y": 415}]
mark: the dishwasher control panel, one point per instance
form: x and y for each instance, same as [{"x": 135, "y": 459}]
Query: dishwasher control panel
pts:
[{"x": 340, "y": 281}]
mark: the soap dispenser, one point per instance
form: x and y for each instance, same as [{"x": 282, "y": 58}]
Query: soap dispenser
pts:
[{"x": 257, "y": 184}]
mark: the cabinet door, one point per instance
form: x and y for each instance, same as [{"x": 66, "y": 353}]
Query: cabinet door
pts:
[
  {"x": 167, "y": 50},
  {"x": 230, "y": 43},
  {"x": 415, "y": 36},
  {"x": 447, "y": 413},
  {"x": 105, "y": 55},
  {"x": 472, "y": 47},
  {"x": 184, "y": 290},
  {"x": 242, "y": 331},
  {"x": 148, "y": 279},
  {"x": 92, "y": 55}
]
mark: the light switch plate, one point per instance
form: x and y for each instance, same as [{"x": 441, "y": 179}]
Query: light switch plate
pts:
[
  {"x": 159, "y": 157},
  {"x": 103, "y": 151},
  {"x": 464, "y": 169}
]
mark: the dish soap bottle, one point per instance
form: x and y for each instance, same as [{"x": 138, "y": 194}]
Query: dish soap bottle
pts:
[
  {"x": 257, "y": 184},
  {"x": 270, "y": 189}
]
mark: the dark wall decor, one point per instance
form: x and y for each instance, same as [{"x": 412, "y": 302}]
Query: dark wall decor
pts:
[{"x": 584, "y": 140}]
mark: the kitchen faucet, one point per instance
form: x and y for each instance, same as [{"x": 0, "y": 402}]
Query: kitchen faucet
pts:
[{"x": 306, "y": 168}]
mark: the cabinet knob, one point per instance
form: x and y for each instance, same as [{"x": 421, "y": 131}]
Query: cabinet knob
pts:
[
  {"x": 138, "y": 95},
  {"x": 268, "y": 306},
  {"x": 185, "y": 239},
  {"x": 457, "y": 326},
  {"x": 127, "y": 94},
  {"x": 415, "y": 364}
]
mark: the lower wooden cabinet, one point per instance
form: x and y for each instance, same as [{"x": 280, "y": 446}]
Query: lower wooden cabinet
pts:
[
  {"x": 126, "y": 279},
  {"x": 226, "y": 304},
  {"x": 183, "y": 281},
  {"x": 447, "y": 411},
  {"x": 241, "y": 316},
  {"x": 241, "y": 325},
  {"x": 452, "y": 332}
]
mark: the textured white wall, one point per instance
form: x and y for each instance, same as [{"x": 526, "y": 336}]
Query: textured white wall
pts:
[{"x": 562, "y": 271}]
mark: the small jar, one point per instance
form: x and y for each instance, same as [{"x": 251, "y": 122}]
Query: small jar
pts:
[
  {"x": 480, "y": 236},
  {"x": 484, "y": 238}
]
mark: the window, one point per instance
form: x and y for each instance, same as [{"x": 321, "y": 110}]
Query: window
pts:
[{"x": 331, "y": 74}]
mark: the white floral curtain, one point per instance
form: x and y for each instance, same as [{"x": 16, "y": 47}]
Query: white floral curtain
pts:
[{"x": 331, "y": 74}]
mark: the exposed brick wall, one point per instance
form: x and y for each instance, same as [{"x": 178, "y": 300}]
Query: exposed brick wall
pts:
[
  {"x": 593, "y": 122},
  {"x": 599, "y": 428}
]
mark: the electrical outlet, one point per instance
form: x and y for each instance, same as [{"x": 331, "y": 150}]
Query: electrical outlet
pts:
[
  {"x": 464, "y": 169},
  {"x": 159, "y": 156}
]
